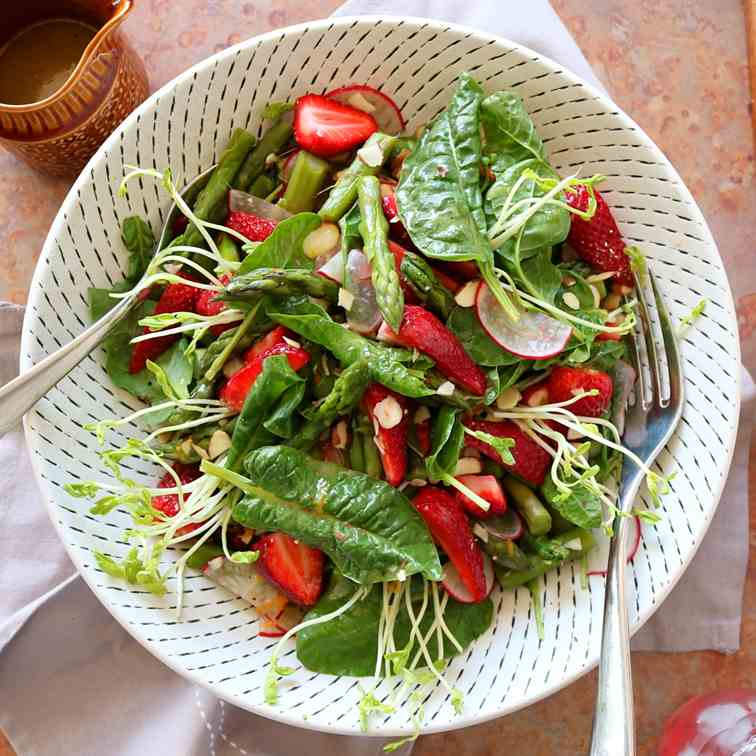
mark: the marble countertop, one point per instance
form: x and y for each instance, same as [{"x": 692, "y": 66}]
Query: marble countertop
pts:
[{"x": 679, "y": 68}]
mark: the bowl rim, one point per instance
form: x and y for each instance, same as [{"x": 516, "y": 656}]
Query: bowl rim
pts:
[{"x": 262, "y": 709}]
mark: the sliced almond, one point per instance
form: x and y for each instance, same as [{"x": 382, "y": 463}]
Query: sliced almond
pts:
[
  {"x": 200, "y": 452},
  {"x": 418, "y": 482},
  {"x": 445, "y": 389},
  {"x": 571, "y": 300},
  {"x": 232, "y": 366},
  {"x": 508, "y": 398},
  {"x": 185, "y": 447},
  {"x": 291, "y": 342},
  {"x": 574, "y": 435},
  {"x": 596, "y": 277},
  {"x": 340, "y": 435},
  {"x": 468, "y": 466},
  {"x": 596, "y": 296},
  {"x": 358, "y": 101},
  {"x": 371, "y": 155},
  {"x": 388, "y": 413},
  {"x": 569, "y": 280},
  {"x": 220, "y": 442},
  {"x": 538, "y": 397},
  {"x": 346, "y": 299},
  {"x": 324, "y": 239},
  {"x": 481, "y": 532},
  {"x": 465, "y": 297},
  {"x": 422, "y": 414}
]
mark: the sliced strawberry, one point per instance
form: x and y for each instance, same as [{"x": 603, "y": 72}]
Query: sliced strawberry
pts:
[
  {"x": 422, "y": 421},
  {"x": 276, "y": 336},
  {"x": 536, "y": 395},
  {"x": 464, "y": 270},
  {"x": 446, "y": 280},
  {"x": 603, "y": 336},
  {"x": 565, "y": 382},
  {"x": 488, "y": 488},
  {"x": 176, "y": 297},
  {"x": 208, "y": 304},
  {"x": 168, "y": 504},
  {"x": 450, "y": 529},
  {"x": 598, "y": 241},
  {"x": 423, "y": 331},
  {"x": 399, "y": 252},
  {"x": 531, "y": 461},
  {"x": 370, "y": 100},
  {"x": 396, "y": 227},
  {"x": 295, "y": 568},
  {"x": 389, "y": 413},
  {"x": 254, "y": 227},
  {"x": 240, "y": 383},
  {"x": 326, "y": 127}
]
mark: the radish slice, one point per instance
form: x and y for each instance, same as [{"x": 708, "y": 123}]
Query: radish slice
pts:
[
  {"x": 504, "y": 527},
  {"x": 363, "y": 316},
  {"x": 241, "y": 202},
  {"x": 457, "y": 589},
  {"x": 387, "y": 115},
  {"x": 245, "y": 581},
  {"x": 534, "y": 336},
  {"x": 288, "y": 165},
  {"x": 633, "y": 549},
  {"x": 333, "y": 268}
]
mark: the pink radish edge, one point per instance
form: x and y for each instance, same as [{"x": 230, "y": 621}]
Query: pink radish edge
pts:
[
  {"x": 387, "y": 114},
  {"x": 550, "y": 345},
  {"x": 633, "y": 550},
  {"x": 454, "y": 586}
]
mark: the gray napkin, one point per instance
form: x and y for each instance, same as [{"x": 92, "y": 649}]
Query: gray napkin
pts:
[{"x": 81, "y": 685}]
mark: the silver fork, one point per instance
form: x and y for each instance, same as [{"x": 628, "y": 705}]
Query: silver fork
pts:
[{"x": 649, "y": 424}]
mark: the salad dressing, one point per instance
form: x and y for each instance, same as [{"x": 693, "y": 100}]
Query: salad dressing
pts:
[{"x": 40, "y": 59}]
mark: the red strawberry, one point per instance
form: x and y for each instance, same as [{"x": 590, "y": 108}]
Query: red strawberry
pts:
[
  {"x": 385, "y": 407},
  {"x": 176, "y": 297},
  {"x": 240, "y": 383},
  {"x": 207, "y": 304},
  {"x": 423, "y": 331},
  {"x": 254, "y": 227},
  {"x": 276, "y": 336},
  {"x": 598, "y": 241},
  {"x": 422, "y": 421},
  {"x": 168, "y": 504},
  {"x": 488, "y": 488},
  {"x": 326, "y": 127},
  {"x": 399, "y": 252},
  {"x": 450, "y": 528},
  {"x": 396, "y": 227},
  {"x": 536, "y": 395},
  {"x": 603, "y": 336},
  {"x": 446, "y": 281},
  {"x": 565, "y": 382},
  {"x": 295, "y": 568},
  {"x": 464, "y": 270},
  {"x": 531, "y": 461}
]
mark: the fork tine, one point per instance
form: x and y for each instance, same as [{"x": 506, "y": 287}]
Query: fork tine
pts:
[
  {"x": 674, "y": 369},
  {"x": 653, "y": 358}
]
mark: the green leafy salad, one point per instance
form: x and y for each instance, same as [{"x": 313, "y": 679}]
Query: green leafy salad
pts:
[{"x": 381, "y": 374}]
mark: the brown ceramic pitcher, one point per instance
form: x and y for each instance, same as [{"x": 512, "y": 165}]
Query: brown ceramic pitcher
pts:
[{"x": 59, "y": 134}]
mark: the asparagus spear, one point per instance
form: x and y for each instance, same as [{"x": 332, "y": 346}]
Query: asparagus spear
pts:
[
  {"x": 272, "y": 141},
  {"x": 374, "y": 231},
  {"x": 423, "y": 282},
  {"x": 307, "y": 178},
  {"x": 344, "y": 194},
  {"x": 536, "y": 516},
  {"x": 279, "y": 282}
]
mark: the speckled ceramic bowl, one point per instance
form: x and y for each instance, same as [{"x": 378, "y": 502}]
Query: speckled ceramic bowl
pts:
[{"x": 184, "y": 125}]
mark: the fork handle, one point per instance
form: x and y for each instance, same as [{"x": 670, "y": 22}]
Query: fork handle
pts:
[
  {"x": 22, "y": 393},
  {"x": 613, "y": 722}
]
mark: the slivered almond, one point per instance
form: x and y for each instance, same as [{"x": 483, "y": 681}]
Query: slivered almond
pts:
[
  {"x": 571, "y": 300},
  {"x": 200, "y": 452},
  {"x": 596, "y": 296},
  {"x": 388, "y": 413},
  {"x": 291, "y": 342},
  {"x": 321, "y": 241},
  {"x": 422, "y": 414},
  {"x": 538, "y": 397},
  {"x": 340, "y": 435},
  {"x": 508, "y": 398},
  {"x": 346, "y": 299},
  {"x": 220, "y": 442},
  {"x": 372, "y": 155},
  {"x": 468, "y": 466},
  {"x": 445, "y": 389},
  {"x": 465, "y": 297}
]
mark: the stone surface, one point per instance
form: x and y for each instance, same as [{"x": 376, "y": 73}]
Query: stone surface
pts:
[{"x": 678, "y": 67}]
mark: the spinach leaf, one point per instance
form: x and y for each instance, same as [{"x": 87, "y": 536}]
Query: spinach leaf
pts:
[
  {"x": 139, "y": 240},
  {"x": 370, "y": 530},
  {"x": 447, "y": 439},
  {"x": 439, "y": 196},
  {"x": 282, "y": 420},
  {"x": 508, "y": 128},
  {"x": 283, "y": 248},
  {"x": 386, "y": 366},
  {"x": 540, "y": 276},
  {"x": 100, "y": 300},
  {"x": 272, "y": 386},
  {"x": 348, "y": 645},
  {"x": 581, "y": 507},
  {"x": 464, "y": 324}
]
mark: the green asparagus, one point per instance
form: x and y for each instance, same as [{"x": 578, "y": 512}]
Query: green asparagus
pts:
[
  {"x": 308, "y": 177},
  {"x": 279, "y": 282},
  {"x": 536, "y": 516},
  {"x": 272, "y": 141},
  {"x": 423, "y": 282}
]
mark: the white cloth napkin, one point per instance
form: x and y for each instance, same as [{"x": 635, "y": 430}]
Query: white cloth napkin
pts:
[{"x": 74, "y": 682}]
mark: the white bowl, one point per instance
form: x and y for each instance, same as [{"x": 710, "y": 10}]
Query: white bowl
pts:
[{"x": 416, "y": 61}]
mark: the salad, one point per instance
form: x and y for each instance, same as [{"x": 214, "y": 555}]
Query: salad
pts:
[{"x": 382, "y": 373}]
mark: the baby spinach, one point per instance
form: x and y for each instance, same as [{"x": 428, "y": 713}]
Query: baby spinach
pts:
[
  {"x": 508, "y": 128},
  {"x": 268, "y": 408},
  {"x": 348, "y": 645},
  {"x": 369, "y": 529},
  {"x": 139, "y": 240},
  {"x": 447, "y": 439},
  {"x": 283, "y": 248},
  {"x": 464, "y": 323},
  {"x": 581, "y": 506}
]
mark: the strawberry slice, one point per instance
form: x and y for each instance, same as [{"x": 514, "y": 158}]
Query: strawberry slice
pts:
[
  {"x": 168, "y": 504},
  {"x": 464, "y": 270},
  {"x": 295, "y": 568},
  {"x": 423, "y": 331},
  {"x": 240, "y": 383},
  {"x": 254, "y": 227},
  {"x": 390, "y": 211},
  {"x": 450, "y": 529},
  {"x": 422, "y": 422},
  {"x": 598, "y": 241},
  {"x": 536, "y": 395},
  {"x": 326, "y": 127},
  {"x": 603, "y": 336},
  {"x": 389, "y": 413},
  {"x": 176, "y": 297},
  {"x": 488, "y": 488},
  {"x": 565, "y": 382},
  {"x": 531, "y": 461},
  {"x": 207, "y": 304},
  {"x": 276, "y": 336}
]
